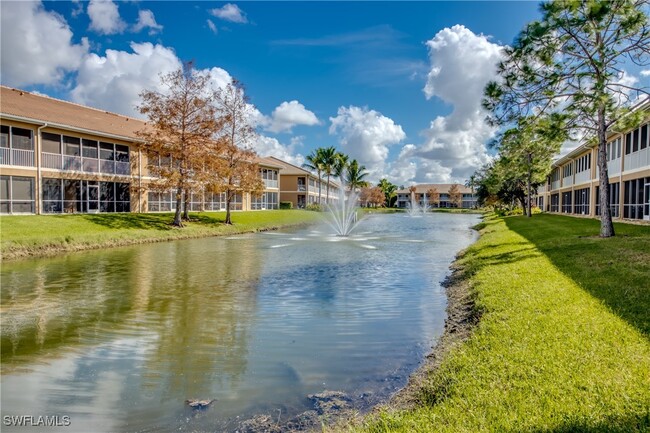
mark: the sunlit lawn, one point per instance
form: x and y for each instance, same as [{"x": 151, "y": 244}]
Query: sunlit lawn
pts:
[
  {"x": 44, "y": 234},
  {"x": 563, "y": 344}
]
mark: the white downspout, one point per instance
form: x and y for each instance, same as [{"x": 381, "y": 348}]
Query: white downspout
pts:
[{"x": 39, "y": 180}]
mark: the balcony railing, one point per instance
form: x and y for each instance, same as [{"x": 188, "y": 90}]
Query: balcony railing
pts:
[
  {"x": 302, "y": 188},
  {"x": 583, "y": 176},
  {"x": 23, "y": 158},
  {"x": 88, "y": 165},
  {"x": 567, "y": 181},
  {"x": 271, "y": 183},
  {"x": 637, "y": 159}
]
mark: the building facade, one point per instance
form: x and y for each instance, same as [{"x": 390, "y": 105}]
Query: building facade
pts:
[
  {"x": 60, "y": 157},
  {"x": 573, "y": 185},
  {"x": 422, "y": 195},
  {"x": 300, "y": 187}
]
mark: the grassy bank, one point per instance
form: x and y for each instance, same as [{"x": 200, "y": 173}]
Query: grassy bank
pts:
[
  {"x": 563, "y": 342},
  {"x": 41, "y": 235}
]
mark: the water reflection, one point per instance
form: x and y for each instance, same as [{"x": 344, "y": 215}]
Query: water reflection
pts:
[{"x": 119, "y": 339}]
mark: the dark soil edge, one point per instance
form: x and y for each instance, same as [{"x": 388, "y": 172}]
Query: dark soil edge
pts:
[{"x": 462, "y": 318}]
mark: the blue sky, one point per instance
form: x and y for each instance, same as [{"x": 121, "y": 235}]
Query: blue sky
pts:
[{"x": 396, "y": 85}]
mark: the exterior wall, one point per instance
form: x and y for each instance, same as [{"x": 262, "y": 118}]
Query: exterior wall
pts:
[{"x": 628, "y": 160}]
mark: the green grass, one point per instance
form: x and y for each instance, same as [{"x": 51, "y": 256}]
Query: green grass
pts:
[
  {"x": 563, "y": 341},
  {"x": 38, "y": 235}
]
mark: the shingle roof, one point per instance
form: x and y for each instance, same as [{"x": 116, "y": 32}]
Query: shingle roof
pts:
[
  {"x": 37, "y": 108},
  {"x": 287, "y": 168}
]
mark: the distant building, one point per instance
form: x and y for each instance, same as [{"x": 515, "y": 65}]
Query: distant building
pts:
[
  {"x": 300, "y": 186},
  {"x": 573, "y": 186},
  {"x": 422, "y": 196}
]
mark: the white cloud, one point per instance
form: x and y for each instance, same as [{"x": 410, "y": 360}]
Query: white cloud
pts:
[
  {"x": 461, "y": 65},
  {"x": 645, "y": 73},
  {"x": 37, "y": 45},
  {"x": 212, "y": 26},
  {"x": 366, "y": 135},
  {"x": 230, "y": 12},
  {"x": 113, "y": 82},
  {"x": 268, "y": 146},
  {"x": 105, "y": 17},
  {"x": 289, "y": 114},
  {"x": 146, "y": 19}
]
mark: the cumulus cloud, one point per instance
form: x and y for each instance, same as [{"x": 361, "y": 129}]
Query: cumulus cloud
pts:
[
  {"x": 212, "y": 26},
  {"x": 105, "y": 17},
  {"x": 37, "y": 45},
  {"x": 289, "y": 114},
  {"x": 366, "y": 135},
  {"x": 114, "y": 81},
  {"x": 230, "y": 12},
  {"x": 645, "y": 73},
  {"x": 146, "y": 19},
  {"x": 461, "y": 64},
  {"x": 268, "y": 146}
]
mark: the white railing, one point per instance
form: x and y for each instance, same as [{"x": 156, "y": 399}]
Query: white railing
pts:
[
  {"x": 637, "y": 159},
  {"x": 271, "y": 183},
  {"x": 23, "y": 158},
  {"x": 567, "y": 181},
  {"x": 583, "y": 177},
  {"x": 302, "y": 188},
  {"x": 555, "y": 185},
  {"x": 613, "y": 167},
  {"x": 89, "y": 165}
]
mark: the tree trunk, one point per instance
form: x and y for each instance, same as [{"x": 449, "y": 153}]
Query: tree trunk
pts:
[
  {"x": 606, "y": 224},
  {"x": 327, "y": 199},
  {"x": 528, "y": 188},
  {"x": 179, "y": 202},
  {"x": 228, "y": 200},
  {"x": 186, "y": 206},
  {"x": 320, "y": 182}
]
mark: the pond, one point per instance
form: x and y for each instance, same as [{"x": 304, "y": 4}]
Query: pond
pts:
[{"x": 117, "y": 340}]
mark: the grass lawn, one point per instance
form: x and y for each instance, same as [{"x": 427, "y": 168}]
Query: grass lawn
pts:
[
  {"x": 563, "y": 343},
  {"x": 37, "y": 235}
]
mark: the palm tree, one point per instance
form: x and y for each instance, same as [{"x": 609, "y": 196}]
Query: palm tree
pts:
[
  {"x": 329, "y": 158},
  {"x": 471, "y": 183},
  {"x": 388, "y": 189},
  {"x": 341, "y": 164},
  {"x": 355, "y": 175},
  {"x": 315, "y": 162}
]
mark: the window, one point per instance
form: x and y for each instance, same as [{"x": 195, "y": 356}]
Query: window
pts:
[
  {"x": 51, "y": 143},
  {"x": 628, "y": 143},
  {"x": 644, "y": 136},
  {"x": 614, "y": 199},
  {"x": 161, "y": 201},
  {"x": 4, "y": 136},
  {"x": 71, "y": 145},
  {"x": 555, "y": 202},
  {"x": 89, "y": 149},
  {"x": 21, "y": 139},
  {"x": 52, "y": 196},
  {"x": 17, "y": 194},
  {"x": 106, "y": 151},
  {"x": 121, "y": 153},
  {"x": 635, "y": 141},
  {"x": 566, "y": 202},
  {"x": 633, "y": 198},
  {"x": 581, "y": 201}
]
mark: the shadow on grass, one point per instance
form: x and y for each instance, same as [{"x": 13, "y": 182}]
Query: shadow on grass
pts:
[
  {"x": 132, "y": 221},
  {"x": 615, "y": 270}
]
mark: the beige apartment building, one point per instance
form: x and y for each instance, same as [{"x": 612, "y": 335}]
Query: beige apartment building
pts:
[
  {"x": 300, "y": 187},
  {"x": 422, "y": 196},
  {"x": 61, "y": 157},
  {"x": 573, "y": 185}
]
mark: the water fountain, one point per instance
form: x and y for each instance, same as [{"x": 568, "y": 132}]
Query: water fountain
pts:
[{"x": 342, "y": 216}]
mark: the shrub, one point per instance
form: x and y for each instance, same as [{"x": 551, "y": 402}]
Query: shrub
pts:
[
  {"x": 314, "y": 207},
  {"x": 286, "y": 205}
]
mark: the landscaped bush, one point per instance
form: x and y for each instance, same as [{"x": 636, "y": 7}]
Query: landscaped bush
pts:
[
  {"x": 314, "y": 207},
  {"x": 286, "y": 205}
]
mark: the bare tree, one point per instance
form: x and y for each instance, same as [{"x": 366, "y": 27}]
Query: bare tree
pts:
[
  {"x": 455, "y": 196},
  {"x": 181, "y": 128},
  {"x": 434, "y": 196},
  {"x": 238, "y": 173}
]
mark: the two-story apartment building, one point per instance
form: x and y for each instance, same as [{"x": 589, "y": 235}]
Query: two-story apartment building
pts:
[
  {"x": 60, "y": 157},
  {"x": 300, "y": 186},
  {"x": 573, "y": 185},
  {"x": 423, "y": 198}
]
